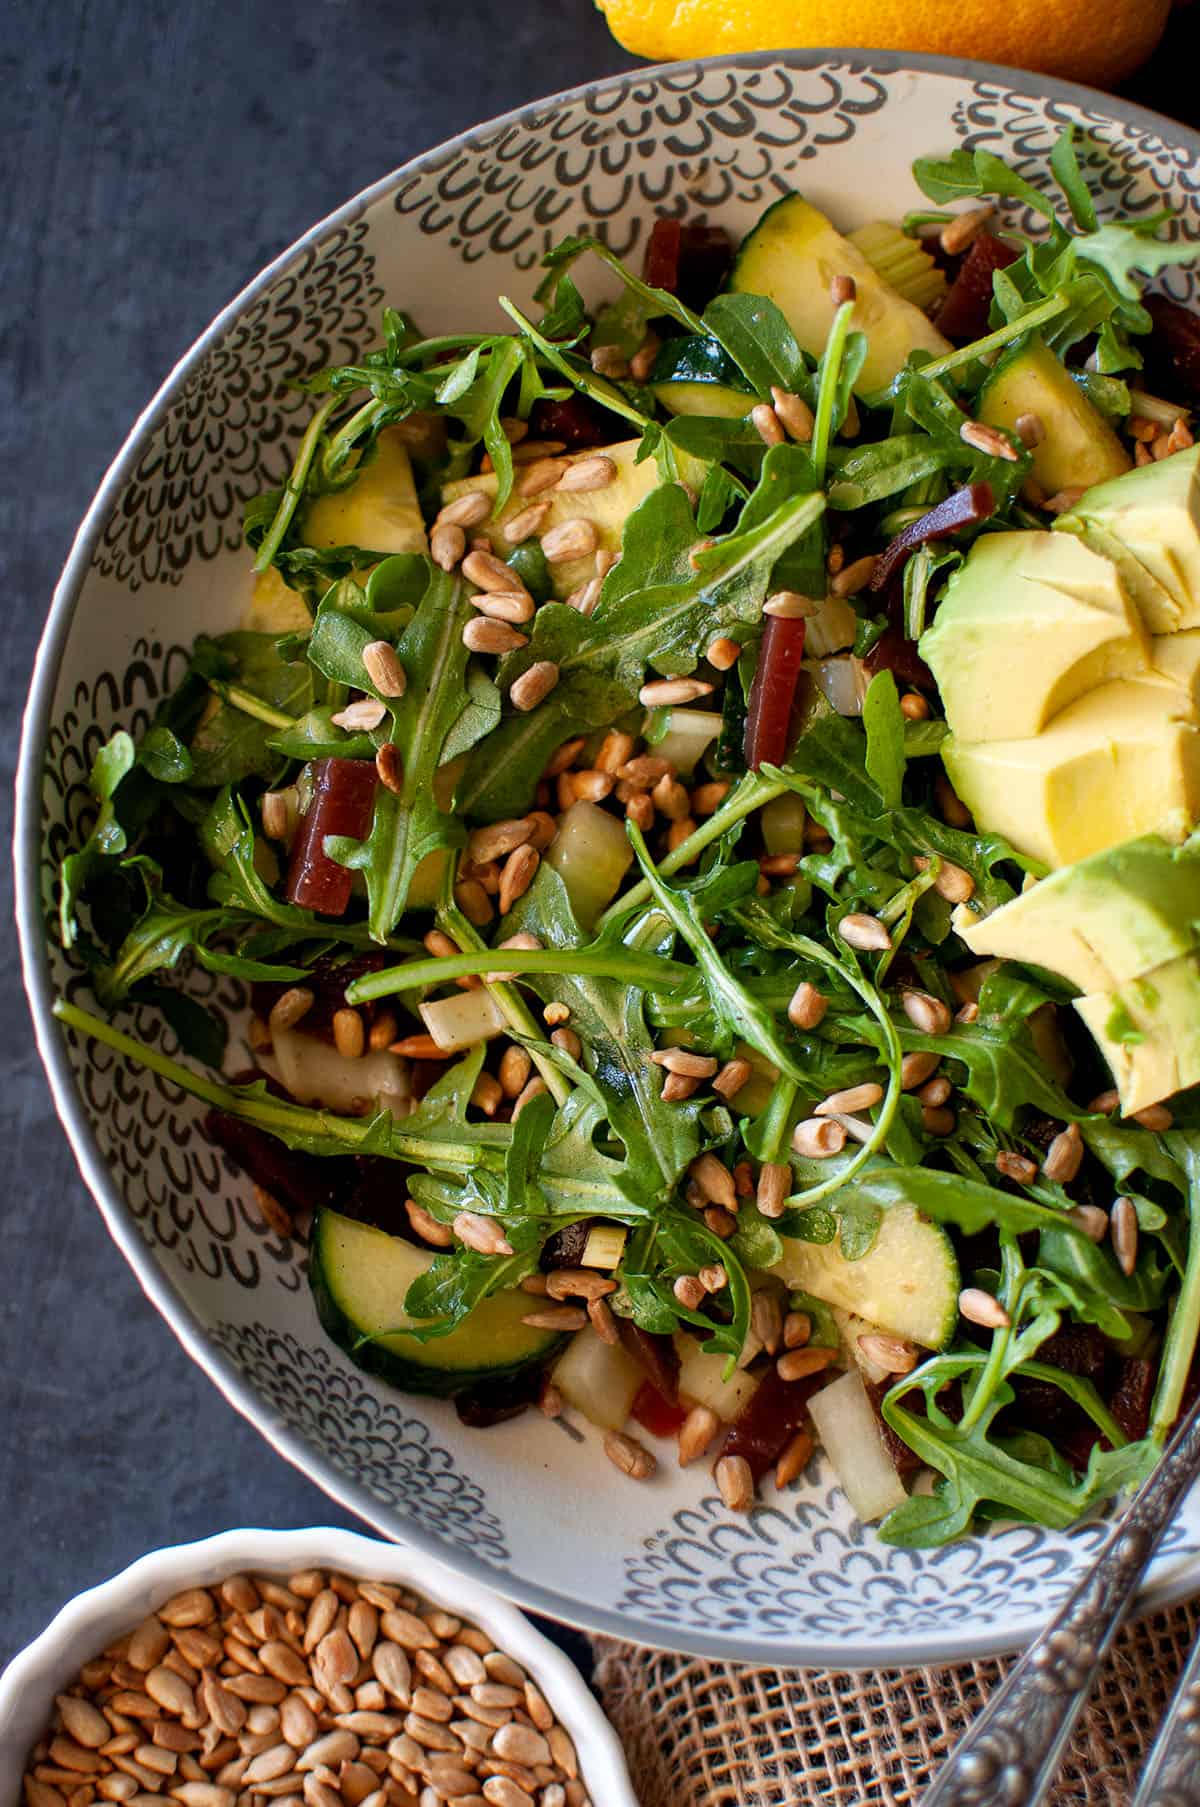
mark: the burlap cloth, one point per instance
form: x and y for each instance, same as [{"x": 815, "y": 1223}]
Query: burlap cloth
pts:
[{"x": 700, "y": 1734}]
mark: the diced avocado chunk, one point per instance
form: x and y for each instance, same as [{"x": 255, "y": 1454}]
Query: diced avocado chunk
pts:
[
  {"x": 274, "y": 607},
  {"x": 1078, "y": 447},
  {"x": 1104, "y": 920},
  {"x": 378, "y": 511},
  {"x": 1028, "y": 624},
  {"x": 1148, "y": 1030},
  {"x": 607, "y": 509},
  {"x": 1120, "y": 762},
  {"x": 907, "y": 1282},
  {"x": 792, "y": 257},
  {"x": 1148, "y": 523}
]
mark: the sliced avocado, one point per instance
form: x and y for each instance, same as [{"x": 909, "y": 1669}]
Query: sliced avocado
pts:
[
  {"x": 1148, "y": 1030},
  {"x": 1148, "y": 523},
  {"x": 1118, "y": 763},
  {"x": 792, "y": 257},
  {"x": 378, "y": 511},
  {"x": 1018, "y": 592},
  {"x": 694, "y": 376},
  {"x": 1078, "y": 447},
  {"x": 1104, "y": 920},
  {"x": 608, "y": 509},
  {"x": 1177, "y": 658}
]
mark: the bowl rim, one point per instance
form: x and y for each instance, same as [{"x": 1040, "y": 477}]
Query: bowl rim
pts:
[
  {"x": 944, "y": 1647},
  {"x": 166, "y": 1571}
]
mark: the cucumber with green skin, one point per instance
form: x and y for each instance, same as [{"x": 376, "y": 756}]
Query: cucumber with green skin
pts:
[
  {"x": 907, "y": 1283},
  {"x": 1078, "y": 448},
  {"x": 695, "y": 376},
  {"x": 359, "y": 1277},
  {"x": 792, "y": 257}
]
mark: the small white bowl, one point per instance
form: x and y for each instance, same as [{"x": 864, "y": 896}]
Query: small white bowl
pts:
[{"x": 91, "y": 1620}]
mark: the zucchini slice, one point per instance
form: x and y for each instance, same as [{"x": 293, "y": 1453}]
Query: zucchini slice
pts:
[
  {"x": 359, "y": 1277},
  {"x": 694, "y": 376},
  {"x": 792, "y": 257},
  {"x": 907, "y": 1283},
  {"x": 1078, "y": 448}
]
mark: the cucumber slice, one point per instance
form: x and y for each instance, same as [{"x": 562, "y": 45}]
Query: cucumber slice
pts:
[
  {"x": 1078, "y": 448},
  {"x": 792, "y": 257},
  {"x": 359, "y": 1277},
  {"x": 907, "y": 1283},
  {"x": 694, "y": 376}
]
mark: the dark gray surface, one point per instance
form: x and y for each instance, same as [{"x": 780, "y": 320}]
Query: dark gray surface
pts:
[{"x": 152, "y": 159}]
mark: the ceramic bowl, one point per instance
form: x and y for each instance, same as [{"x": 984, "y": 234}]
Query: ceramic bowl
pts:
[
  {"x": 91, "y": 1620},
  {"x": 531, "y": 1507}
]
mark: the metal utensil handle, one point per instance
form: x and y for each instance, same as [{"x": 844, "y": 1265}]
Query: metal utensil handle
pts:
[
  {"x": 1012, "y": 1750},
  {"x": 1171, "y": 1777}
]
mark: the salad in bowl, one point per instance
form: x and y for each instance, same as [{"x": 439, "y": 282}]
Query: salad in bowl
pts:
[{"x": 701, "y": 805}]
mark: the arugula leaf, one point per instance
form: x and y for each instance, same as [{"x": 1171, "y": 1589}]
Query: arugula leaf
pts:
[
  {"x": 234, "y": 741},
  {"x": 606, "y": 1006},
  {"x": 661, "y": 605},
  {"x": 410, "y": 824},
  {"x": 107, "y": 840},
  {"x": 758, "y": 338},
  {"x": 884, "y": 725},
  {"x": 973, "y": 173}
]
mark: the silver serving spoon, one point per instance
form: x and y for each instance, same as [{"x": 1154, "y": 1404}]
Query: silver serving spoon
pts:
[{"x": 1011, "y": 1753}]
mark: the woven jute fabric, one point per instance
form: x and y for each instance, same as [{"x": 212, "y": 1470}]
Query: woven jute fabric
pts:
[{"x": 700, "y": 1734}]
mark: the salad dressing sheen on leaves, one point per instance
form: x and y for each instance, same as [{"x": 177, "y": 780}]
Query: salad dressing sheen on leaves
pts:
[{"x": 635, "y": 1009}]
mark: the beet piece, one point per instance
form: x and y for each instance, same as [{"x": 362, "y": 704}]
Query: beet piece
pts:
[
  {"x": 905, "y": 1460},
  {"x": 773, "y": 692},
  {"x": 565, "y": 1248},
  {"x": 895, "y": 652},
  {"x": 655, "y": 1355},
  {"x": 301, "y": 1182},
  {"x": 965, "y": 507},
  {"x": 963, "y": 315},
  {"x": 660, "y": 266},
  {"x": 1076, "y": 1349},
  {"x": 327, "y": 979},
  {"x": 343, "y": 803},
  {"x": 705, "y": 259},
  {"x": 494, "y": 1401},
  {"x": 1130, "y": 1403},
  {"x": 769, "y": 1420},
  {"x": 1173, "y": 349},
  {"x": 576, "y": 421},
  {"x": 661, "y": 1417},
  {"x": 377, "y": 1197}
]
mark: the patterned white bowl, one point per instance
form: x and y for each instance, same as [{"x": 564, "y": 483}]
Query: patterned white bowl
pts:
[
  {"x": 530, "y": 1506},
  {"x": 93, "y": 1619}
]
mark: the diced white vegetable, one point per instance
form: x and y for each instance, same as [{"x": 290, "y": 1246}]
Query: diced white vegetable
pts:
[
  {"x": 783, "y": 820},
  {"x": 599, "y": 1379},
  {"x": 313, "y": 1072},
  {"x": 832, "y": 627},
  {"x": 463, "y": 1020},
  {"x": 604, "y": 1247},
  {"x": 843, "y": 683},
  {"x": 591, "y": 853},
  {"x": 702, "y": 1382},
  {"x": 690, "y": 733},
  {"x": 848, "y": 1428}
]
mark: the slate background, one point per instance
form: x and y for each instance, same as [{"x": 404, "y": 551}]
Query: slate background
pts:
[{"x": 152, "y": 159}]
